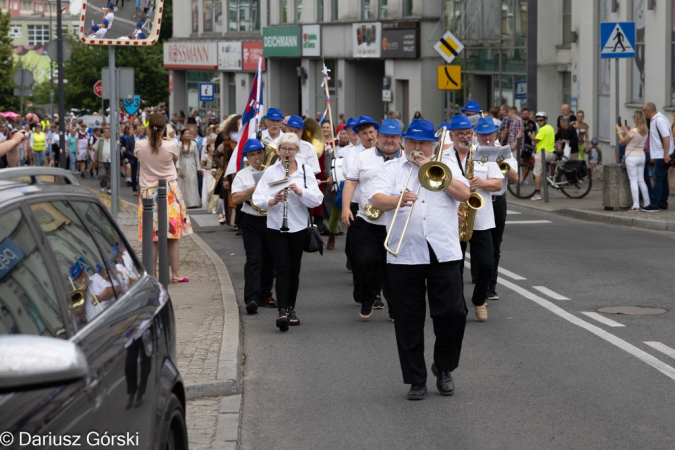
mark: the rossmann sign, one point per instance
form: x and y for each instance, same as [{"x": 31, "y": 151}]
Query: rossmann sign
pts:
[{"x": 191, "y": 55}]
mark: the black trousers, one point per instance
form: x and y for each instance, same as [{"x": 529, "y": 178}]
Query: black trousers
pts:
[
  {"x": 499, "y": 208},
  {"x": 134, "y": 351},
  {"x": 287, "y": 249},
  {"x": 442, "y": 283},
  {"x": 259, "y": 268},
  {"x": 482, "y": 257},
  {"x": 349, "y": 251},
  {"x": 370, "y": 262},
  {"x": 134, "y": 174}
]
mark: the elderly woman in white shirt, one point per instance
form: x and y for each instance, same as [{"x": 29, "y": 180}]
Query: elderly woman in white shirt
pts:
[{"x": 287, "y": 245}]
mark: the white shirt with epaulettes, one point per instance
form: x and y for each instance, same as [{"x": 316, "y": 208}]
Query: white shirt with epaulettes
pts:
[
  {"x": 242, "y": 181},
  {"x": 485, "y": 216}
]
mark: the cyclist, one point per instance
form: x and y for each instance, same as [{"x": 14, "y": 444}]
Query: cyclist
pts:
[{"x": 545, "y": 141}]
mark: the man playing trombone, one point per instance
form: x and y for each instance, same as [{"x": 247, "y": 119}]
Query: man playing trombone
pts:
[
  {"x": 428, "y": 259},
  {"x": 370, "y": 259}
]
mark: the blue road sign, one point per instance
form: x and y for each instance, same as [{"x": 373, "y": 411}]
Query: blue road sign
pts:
[
  {"x": 521, "y": 90},
  {"x": 207, "y": 92},
  {"x": 617, "y": 40}
]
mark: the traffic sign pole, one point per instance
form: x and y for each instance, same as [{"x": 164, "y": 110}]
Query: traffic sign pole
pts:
[
  {"x": 617, "y": 150},
  {"x": 114, "y": 154},
  {"x": 62, "y": 94}
]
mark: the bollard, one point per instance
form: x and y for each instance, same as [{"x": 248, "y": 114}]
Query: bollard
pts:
[
  {"x": 544, "y": 174},
  {"x": 162, "y": 230},
  {"x": 148, "y": 258}
]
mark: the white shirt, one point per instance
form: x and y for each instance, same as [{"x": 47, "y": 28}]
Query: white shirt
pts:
[
  {"x": 82, "y": 143},
  {"x": 485, "y": 217},
  {"x": 105, "y": 151},
  {"x": 101, "y": 32},
  {"x": 351, "y": 153},
  {"x": 111, "y": 17},
  {"x": 297, "y": 204},
  {"x": 365, "y": 169},
  {"x": 514, "y": 165},
  {"x": 434, "y": 217},
  {"x": 307, "y": 156},
  {"x": 659, "y": 122},
  {"x": 267, "y": 138},
  {"x": 242, "y": 181},
  {"x": 97, "y": 284}
]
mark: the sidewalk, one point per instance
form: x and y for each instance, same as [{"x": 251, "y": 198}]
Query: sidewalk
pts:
[
  {"x": 590, "y": 208},
  {"x": 208, "y": 334}
]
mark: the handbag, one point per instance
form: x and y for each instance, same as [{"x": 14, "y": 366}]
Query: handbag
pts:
[
  {"x": 314, "y": 243},
  {"x": 338, "y": 197}
]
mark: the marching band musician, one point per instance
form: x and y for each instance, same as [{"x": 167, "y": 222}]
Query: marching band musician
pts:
[
  {"x": 287, "y": 206},
  {"x": 370, "y": 260},
  {"x": 427, "y": 264},
  {"x": 307, "y": 154},
  {"x": 259, "y": 269},
  {"x": 486, "y": 179},
  {"x": 353, "y": 142},
  {"x": 366, "y": 129},
  {"x": 273, "y": 121}
]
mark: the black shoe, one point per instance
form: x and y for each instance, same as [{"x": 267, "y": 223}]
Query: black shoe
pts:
[
  {"x": 238, "y": 233},
  {"x": 417, "y": 392},
  {"x": 269, "y": 302},
  {"x": 293, "y": 318},
  {"x": 378, "y": 303},
  {"x": 349, "y": 265},
  {"x": 130, "y": 401},
  {"x": 128, "y": 183},
  {"x": 252, "y": 307},
  {"x": 366, "y": 312},
  {"x": 444, "y": 382},
  {"x": 492, "y": 294},
  {"x": 282, "y": 321}
]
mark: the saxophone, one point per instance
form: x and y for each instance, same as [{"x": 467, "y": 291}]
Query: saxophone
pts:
[{"x": 471, "y": 206}]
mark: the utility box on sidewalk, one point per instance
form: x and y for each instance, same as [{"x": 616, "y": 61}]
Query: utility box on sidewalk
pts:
[{"x": 616, "y": 187}]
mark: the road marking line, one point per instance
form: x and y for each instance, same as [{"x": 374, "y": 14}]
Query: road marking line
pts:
[
  {"x": 602, "y": 319},
  {"x": 512, "y": 213},
  {"x": 662, "y": 348},
  {"x": 510, "y": 274},
  {"x": 645, "y": 357},
  {"x": 554, "y": 295},
  {"x": 526, "y": 222}
]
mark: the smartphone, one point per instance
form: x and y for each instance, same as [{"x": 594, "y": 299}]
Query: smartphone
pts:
[
  {"x": 625, "y": 122},
  {"x": 618, "y": 121}
]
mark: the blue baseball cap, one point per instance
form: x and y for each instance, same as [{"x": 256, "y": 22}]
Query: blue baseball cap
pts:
[
  {"x": 471, "y": 106},
  {"x": 95, "y": 28},
  {"x": 351, "y": 122},
  {"x": 460, "y": 122},
  {"x": 486, "y": 125},
  {"x": 111, "y": 6},
  {"x": 139, "y": 25},
  {"x": 105, "y": 22},
  {"x": 114, "y": 250},
  {"x": 365, "y": 120},
  {"x": 421, "y": 130},
  {"x": 295, "y": 122},
  {"x": 75, "y": 270},
  {"x": 253, "y": 145},
  {"x": 274, "y": 114},
  {"x": 391, "y": 126}
]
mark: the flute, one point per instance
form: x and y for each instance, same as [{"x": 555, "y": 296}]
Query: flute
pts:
[{"x": 284, "y": 224}]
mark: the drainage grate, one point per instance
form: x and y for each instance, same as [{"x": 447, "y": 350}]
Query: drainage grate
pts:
[{"x": 632, "y": 310}]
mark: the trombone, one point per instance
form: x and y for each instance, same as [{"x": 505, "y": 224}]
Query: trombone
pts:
[
  {"x": 434, "y": 176},
  {"x": 79, "y": 296}
]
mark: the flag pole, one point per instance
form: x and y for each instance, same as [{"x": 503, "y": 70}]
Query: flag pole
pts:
[{"x": 330, "y": 113}]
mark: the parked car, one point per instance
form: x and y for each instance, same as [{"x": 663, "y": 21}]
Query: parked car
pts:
[{"x": 87, "y": 337}]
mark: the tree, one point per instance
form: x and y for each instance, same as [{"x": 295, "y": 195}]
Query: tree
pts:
[{"x": 7, "y": 99}]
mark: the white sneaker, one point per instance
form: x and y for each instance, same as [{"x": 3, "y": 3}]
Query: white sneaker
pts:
[{"x": 536, "y": 197}]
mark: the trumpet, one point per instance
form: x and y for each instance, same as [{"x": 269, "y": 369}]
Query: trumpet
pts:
[
  {"x": 434, "y": 176},
  {"x": 504, "y": 167},
  {"x": 284, "y": 224}
]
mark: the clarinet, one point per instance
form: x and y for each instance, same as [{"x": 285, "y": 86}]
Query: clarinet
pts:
[{"x": 284, "y": 224}]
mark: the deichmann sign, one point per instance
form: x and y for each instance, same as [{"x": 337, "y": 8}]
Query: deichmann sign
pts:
[
  {"x": 229, "y": 56},
  {"x": 281, "y": 41},
  {"x": 191, "y": 55},
  {"x": 400, "y": 40},
  {"x": 366, "y": 40},
  {"x": 311, "y": 40}
]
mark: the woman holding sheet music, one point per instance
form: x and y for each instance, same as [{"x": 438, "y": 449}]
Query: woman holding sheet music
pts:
[{"x": 286, "y": 190}]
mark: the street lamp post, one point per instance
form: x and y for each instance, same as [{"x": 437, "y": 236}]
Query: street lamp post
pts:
[{"x": 62, "y": 108}]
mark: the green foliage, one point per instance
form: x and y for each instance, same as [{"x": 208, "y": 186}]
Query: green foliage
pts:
[{"x": 7, "y": 99}]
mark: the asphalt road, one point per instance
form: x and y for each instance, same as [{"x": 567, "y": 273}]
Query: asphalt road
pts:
[{"x": 539, "y": 374}]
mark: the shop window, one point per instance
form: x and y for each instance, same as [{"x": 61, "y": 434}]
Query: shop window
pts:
[
  {"x": 638, "y": 72},
  {"x": 244, "y": 15},
  {"x": 407, "y": 8},
  {"x": 365, "y": 9},
  {"x": 28, "y": 301},
  {"x": 38, "y": 34},
  {"x": 334, "y": 11},
  {"x": 319, "y": 10},
  {"x": 383, "y": 9},
  {"x": 567, "y": 22}
]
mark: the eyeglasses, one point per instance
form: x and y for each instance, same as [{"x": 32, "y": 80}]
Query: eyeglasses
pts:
[
  {"x": 465, "y": 134},
  {"x": 288, "y": 150}
]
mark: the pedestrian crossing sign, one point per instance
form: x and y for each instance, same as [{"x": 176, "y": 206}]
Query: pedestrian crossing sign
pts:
[
  {"x": 448, "y": 47},
  {"x": 617, "y": 40}
]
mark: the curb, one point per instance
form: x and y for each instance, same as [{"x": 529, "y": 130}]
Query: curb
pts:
[
  {"x": 228, "y": 379},
  {"x": 616, "y": 220}
]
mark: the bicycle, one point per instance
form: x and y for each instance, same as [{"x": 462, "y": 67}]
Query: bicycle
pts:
[{"x": 573, "y": 182}]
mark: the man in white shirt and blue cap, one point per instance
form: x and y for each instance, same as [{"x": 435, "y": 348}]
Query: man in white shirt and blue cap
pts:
[
  {"x": 273, "y": 131},
  {"x": 428, "y": 262}
]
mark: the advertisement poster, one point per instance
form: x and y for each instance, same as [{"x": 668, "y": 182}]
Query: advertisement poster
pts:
[
  {"x": 252, "y": 52},
  {"x": 366, "y": 38},
  {"x": 229, "y": 56},
  {"x": 195, "y": 16},
  {"x": 311, "y": 40}
]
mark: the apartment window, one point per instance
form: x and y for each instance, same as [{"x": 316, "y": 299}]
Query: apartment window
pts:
[
  {"x": 244, "y": 15},
  {"x": 334, "y": 10},
  {"x": 319, "y": 10},
  {"x": 298, "y": 11},
  {"x": 383, "y": 9},
  {"x": 365, "y": 9},
  {"x": 638, "y": 73},
  {"x": 567, "y": 22},
  {"x": 76, "y": 30},
  {"x": 407, "y": 8},
  {"x": 283, "y": 12},
  {"x": 15, "y": 31},
  {"x": 38, "y": 34}
]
